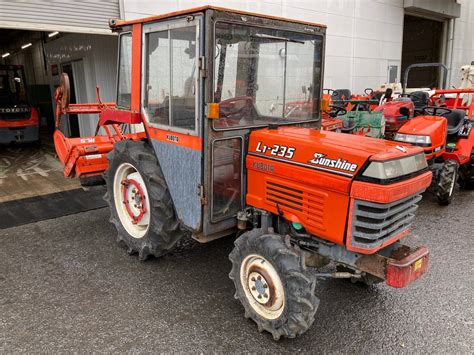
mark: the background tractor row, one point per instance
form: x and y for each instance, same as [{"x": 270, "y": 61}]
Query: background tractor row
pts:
[{"x": 439, "y": 121}]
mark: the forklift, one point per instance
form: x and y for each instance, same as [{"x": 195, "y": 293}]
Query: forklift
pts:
[
  {"x": 19, "y": 120},
  {"x": 200, "y": 143}
]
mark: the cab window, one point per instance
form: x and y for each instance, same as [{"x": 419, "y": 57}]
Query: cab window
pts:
[
  {"x": 125, "y": 71},
  {"x": 264, "y": 76},
  {"x": 170, "y": 78}
]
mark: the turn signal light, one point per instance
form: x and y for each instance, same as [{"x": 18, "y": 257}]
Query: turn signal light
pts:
[{"x": 213, "y": 111}]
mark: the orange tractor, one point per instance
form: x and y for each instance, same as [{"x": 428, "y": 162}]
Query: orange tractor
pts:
[{"x": 220, "y": 155}]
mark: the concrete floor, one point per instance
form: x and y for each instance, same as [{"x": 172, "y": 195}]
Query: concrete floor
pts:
[
  {"x": 27, "y": 171},
  {"x": 66, "y": 286}
]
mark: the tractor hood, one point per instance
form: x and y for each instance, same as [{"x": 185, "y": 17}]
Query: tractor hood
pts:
[
  {"x": 330, "y": 152},
  {"x": 425, "y": 126}
]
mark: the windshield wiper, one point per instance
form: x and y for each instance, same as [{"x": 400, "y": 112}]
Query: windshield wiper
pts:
[{"x": 276, "y": 38}]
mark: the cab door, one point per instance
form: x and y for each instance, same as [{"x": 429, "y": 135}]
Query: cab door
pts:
[{"x": 171, "y": 106}]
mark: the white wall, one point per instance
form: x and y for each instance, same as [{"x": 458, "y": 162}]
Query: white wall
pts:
[{"x": 363, "y": 35}]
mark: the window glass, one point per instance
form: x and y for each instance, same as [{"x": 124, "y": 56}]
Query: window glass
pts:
[
  {"x": 157, "y": 77},
  {"x": 170, "y": 78},
  {"x": 264, "y": 76},
  {"x": 183, "y": 77},
  {"x": 125, "y": 71},
  {"x": 226, "y": 175}
]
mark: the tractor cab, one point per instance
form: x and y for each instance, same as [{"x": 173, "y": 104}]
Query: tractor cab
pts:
[{"x": 18, "y": 119}]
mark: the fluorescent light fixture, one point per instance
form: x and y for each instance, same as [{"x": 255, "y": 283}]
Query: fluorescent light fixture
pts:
[
  {"x": 52, "y": 34},
  {"x": 26, "y": 45},
  {"x": 5, "y": 55}
]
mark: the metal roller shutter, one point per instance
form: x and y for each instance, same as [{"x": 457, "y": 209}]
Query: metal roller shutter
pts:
[{"x": 86, "y": 16}]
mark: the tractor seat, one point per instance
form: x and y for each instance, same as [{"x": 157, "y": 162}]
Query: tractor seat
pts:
[
  {"x": 455, "y": 121},
  {"x": 420, "y": 99},
  {"x": 340, "y": 96}
]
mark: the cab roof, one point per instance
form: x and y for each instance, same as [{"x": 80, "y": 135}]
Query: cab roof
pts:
[{"x": 120, "y": 23}]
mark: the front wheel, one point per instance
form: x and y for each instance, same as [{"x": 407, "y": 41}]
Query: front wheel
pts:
[
  {"x": 446, "y": 182},
  {"x": 273, "y": 285}
]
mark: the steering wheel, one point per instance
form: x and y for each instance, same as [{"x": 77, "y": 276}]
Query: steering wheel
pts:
[
  {"x": 436, "y": 111},
  {"x": 337, "y": 111},
  {"x": 247, "y": 111},
  {"x": 369, "y": 91}
]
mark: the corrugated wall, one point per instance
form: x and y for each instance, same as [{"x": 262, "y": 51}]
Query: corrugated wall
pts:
[{"x": 87, "y": 16}]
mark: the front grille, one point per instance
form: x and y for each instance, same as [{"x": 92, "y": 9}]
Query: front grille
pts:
[
  {"x": 307, "y": 204},
  {"x": 373, "y": 223}
]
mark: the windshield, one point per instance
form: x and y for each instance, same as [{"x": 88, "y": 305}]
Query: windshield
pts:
[
  {"x": 12, "y": 87},
  {"x": 264, "y": 76}
]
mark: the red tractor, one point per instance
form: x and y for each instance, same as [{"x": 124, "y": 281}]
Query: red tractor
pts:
[
  {"x": 19, "y": 121},
  {"x": 446, "y": 135},
  {"x": 219, "y": 155}
]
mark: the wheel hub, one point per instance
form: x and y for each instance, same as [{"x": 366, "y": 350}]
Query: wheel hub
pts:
[
  {"x": 262, "y": 286},
  {"x": 133, "y": 199},
  {"x": 259, "y": 289}
]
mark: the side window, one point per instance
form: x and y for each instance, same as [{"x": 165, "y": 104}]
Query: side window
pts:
[
  {"x": 124, "y": 86},
  {"x": 157, "y": 77},
  {"x": 170, "y": 78}
]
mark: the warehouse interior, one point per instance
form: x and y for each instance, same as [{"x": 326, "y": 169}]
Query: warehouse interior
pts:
[{"x": 32, "y": 169}]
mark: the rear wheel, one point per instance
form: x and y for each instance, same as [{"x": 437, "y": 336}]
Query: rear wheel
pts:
[
  {"x": 273, "y": 285},
  {"x": 140, "y": 204},
  {"x": 447, "y": 180}
]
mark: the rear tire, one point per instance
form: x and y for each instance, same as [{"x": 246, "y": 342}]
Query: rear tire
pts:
[
  {"x": 273, "y": 285},
  {"x": 447, "y": 181},
  {"x": 150, "y": 227}
]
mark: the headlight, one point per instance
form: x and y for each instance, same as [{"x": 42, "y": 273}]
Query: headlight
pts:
[
  {"x": 395, "y": 168},
  {"x": 413, "y": 139}
]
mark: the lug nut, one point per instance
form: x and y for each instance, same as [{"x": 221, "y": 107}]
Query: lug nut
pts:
[
  {"x": 259, "y": 277},
  {"x": 253, "y": 279},
  {"x": 259, "y": 296},
  {"x": 253, "y": 288},
  {"x": 265, "y": 286}
]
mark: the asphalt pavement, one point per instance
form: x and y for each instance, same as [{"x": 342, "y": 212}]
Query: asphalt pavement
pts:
[{"x": 66, "y": 286}]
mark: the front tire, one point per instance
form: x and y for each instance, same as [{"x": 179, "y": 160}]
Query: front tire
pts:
[
  {"x": 447, "y": 181},
  {"x": 272, "y": 284},
  {"x": 139, "y": 200}
]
